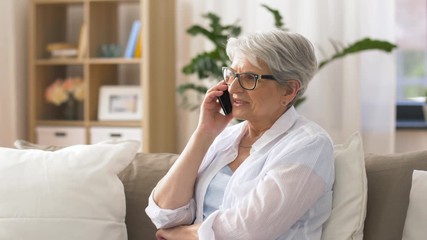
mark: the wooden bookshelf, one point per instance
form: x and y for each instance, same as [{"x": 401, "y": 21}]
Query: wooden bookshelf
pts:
[{"x": 107, "y": 22}]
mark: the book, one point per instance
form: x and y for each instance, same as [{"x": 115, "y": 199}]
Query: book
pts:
[
  {"x": 62, "y": 50},
  {"x": 133, "y": 38},
  {"x": 138, "y": 48},
  {"x": 64, "y": 53},
  {"x": 82, "y": 46},
  {"x": 59, "y": 45}
]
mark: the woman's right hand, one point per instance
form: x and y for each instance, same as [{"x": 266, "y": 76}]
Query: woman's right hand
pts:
[{"x": 211, "y": 120}]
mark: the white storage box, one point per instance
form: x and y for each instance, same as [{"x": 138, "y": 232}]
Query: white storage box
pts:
[
  {"x": 99, "y": 134},
  {"x": 60, "y": 136}
]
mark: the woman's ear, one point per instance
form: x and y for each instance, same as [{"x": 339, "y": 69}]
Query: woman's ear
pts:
[{"x": 291, "y": 89}]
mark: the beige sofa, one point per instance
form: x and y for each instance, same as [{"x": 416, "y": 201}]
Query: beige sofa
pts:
[{"x": 389, "y": 183}]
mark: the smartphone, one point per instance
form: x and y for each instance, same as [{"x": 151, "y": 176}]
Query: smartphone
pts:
[{"x": 225, "y": 102}]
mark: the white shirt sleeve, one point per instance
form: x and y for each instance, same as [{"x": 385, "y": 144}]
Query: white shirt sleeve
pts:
[{"x": 167, "y": 218}]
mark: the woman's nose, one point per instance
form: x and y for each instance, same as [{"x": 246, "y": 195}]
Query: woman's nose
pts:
[{"x": 234, "y": 86}]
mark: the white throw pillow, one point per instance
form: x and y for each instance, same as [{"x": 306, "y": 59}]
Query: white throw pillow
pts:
[
  {"x": 416, "y": 217},
  {"x": 350, "y": 192},
  {"x": 72, "y": 193}
]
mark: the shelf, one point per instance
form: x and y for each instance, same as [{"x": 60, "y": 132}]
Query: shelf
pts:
[
  {"x": 121, "y": 1},
  {"x": 76, "y": 61},
  {"x": 103, "y": 28},
  {"x": 57, "y": 1},
  {"x": 114, "y": 60},
  {"x": 81, "y": 1},
  {"x": 60, "y": 123},
  {"x": 56, "y": 61},
  {"x": 116, "y": 123}
]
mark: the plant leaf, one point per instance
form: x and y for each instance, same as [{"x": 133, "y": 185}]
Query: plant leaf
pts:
[
  {"x": 299, "y": 101},
  {"x": 359, "y": 46},
  {"x": 206, "y": 64},
  {"x": 278, "y": 19},
  {"x": 181, "y": 89}
]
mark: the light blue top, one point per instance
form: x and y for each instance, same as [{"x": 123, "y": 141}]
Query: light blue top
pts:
[{"x": 215, "y": 191}]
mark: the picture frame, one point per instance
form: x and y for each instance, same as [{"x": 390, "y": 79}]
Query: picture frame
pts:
[{"x": 120, "y": 103}]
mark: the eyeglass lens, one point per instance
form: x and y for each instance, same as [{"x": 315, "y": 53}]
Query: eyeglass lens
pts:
[{"x": 246, "y": 80}]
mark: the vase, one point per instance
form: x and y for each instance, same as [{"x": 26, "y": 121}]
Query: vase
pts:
[
  {"x": 72, "y": 109},
  {"x": 69, "y": 109}
]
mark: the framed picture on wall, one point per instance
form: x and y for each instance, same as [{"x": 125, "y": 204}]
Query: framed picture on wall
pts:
[{"x": 121, "y": 103}]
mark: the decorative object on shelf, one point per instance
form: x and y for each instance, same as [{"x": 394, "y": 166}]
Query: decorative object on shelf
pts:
[
  {"x": 62, "y": 50},
  {"x": 109, "y": 50},
  {"x": 67, "y": 95},
  {"x": 208, "y": 64},
  {"x": 120, "y": 103}
]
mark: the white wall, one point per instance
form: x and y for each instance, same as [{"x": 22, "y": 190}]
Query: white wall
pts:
[{"x": 13, "y": 70}]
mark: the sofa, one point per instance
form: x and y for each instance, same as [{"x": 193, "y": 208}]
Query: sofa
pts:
[
  {"x": 388, "y": 188},
  {"x": 371, "y": 191}
]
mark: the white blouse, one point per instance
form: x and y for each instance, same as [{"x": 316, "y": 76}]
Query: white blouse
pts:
[{"x": 283, "y": 190}]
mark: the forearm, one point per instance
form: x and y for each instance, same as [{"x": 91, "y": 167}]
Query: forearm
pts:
[
  {"x": 187, "y": 232},
  {"x": 177, "y": 186}
]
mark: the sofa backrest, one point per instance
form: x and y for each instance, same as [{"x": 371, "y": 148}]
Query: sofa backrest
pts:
[
  {"x": 139, "y": 179},
  {"x": 389, "y": 184}
]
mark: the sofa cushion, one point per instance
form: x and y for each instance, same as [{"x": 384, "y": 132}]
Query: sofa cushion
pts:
[
  {"x": 389, "y": 184},
  {"x": 139, "y": 179},
  {"x": 72, "y": 193},
  {"x": 349, "y": 199},
  {"x": 416, "y": 217}
]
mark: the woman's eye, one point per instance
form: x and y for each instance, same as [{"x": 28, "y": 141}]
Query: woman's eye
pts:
[{"x": 247, "y": 77}]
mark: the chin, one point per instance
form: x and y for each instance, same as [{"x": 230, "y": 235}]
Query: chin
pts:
[{"x": 239, "y": 115}]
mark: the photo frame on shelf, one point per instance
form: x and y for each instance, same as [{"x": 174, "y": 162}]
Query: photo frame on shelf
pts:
[{"x": 120, "y": 103}]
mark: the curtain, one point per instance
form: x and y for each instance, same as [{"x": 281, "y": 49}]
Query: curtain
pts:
[
  {"x": 13, "y": 69},
  {"x": 352, "y": 94}
]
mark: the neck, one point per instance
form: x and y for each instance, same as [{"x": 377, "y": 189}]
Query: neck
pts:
[
  {"x": 256, "y": 128},
  {"x": 256, "y": 132},
  {"x": 251, "y": 135}
]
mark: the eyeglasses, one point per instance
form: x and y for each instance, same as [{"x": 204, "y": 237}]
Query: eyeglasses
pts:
[{"x": 247, "y": 80}]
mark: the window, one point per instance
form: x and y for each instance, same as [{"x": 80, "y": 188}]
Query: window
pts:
[{"x": 411, "y": 18}]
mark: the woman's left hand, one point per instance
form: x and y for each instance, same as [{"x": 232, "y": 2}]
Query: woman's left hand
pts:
[{"x": 184, "y": 232}]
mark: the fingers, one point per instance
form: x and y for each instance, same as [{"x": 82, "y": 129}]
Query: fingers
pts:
[
  {"x": 159, "y": 235},
  {"x": 221, "y": 86},
  {"x": 216, "y": 91}
]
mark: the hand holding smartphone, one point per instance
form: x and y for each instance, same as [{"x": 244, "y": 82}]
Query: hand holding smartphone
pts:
[{"x": 225, "y": 102}]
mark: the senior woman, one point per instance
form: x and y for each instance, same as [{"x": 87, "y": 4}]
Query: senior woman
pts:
[{"x": 268, "y": 177}]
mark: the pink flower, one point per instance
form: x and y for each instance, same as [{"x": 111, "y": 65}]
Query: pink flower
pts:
[
  {"x": 61, "y": 90},
  {"x": 77, "y": 88},
  {"x": 55, "y": 93}
]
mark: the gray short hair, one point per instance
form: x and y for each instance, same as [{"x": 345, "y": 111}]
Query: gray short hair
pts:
[{"x": 289, "y": 55}]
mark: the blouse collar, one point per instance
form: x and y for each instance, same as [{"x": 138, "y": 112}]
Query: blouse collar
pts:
[{"x": 281, "y": 126}]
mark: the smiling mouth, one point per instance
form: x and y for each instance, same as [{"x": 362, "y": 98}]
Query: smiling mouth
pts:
[{"x": 238, "y": 103}]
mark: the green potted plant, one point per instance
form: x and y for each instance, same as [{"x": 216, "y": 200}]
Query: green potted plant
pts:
[{"x": 207, "y": 65}]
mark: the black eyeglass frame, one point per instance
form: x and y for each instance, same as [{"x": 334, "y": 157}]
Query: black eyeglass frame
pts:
[{"x": 257, "y": 77}]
